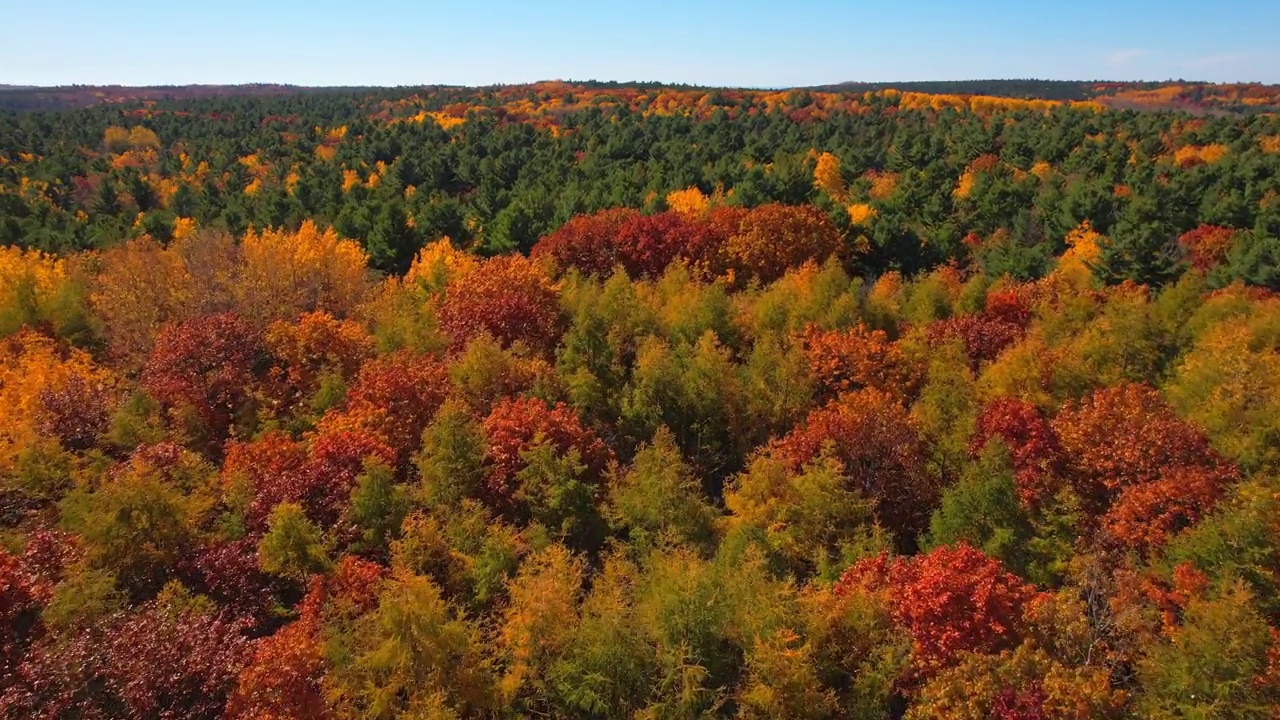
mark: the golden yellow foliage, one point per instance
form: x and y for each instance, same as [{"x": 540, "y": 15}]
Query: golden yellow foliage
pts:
[
  {"x": 1229, "y": 384},
  {"x": 968, "y": 690},
  {"x": 439, "y": 262},
  {"x": 827, "y": 177},
  {"x": 118, "y": 139},
  {"x": 183, "y": 227},
  {"x": 32, "y": 365},
  {"x": 1023, "y": 371},
  {"x": 690, "y": 201},
  {"x": 350, "y": 179},
  {"x": 29, "y": 271},
  {"x": 1270, "y": 144},
  {"x": 140, "y": 137},
  {"x": 446, "y": 122},
  {"x": 861, "y": 213},
  {"x": 139, "y": 287},
  {"x": 1082, "y": 250},
  {"x": 540, "y": 618},
  {"x": 287, "y": 273}
]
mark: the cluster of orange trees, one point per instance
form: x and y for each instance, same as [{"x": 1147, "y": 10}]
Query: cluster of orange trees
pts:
[{"x": 669, "y": 465}]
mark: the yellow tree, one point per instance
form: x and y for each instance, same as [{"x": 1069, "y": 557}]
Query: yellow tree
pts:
[
  {"x": 36, "y": 374},
  {"x": 140, "y": 286},
  {"x": 827, "y": 177},
  {"x": 1082, "y": 251},
  {"x": 38, "y": 289},
  {"x": 286, "y": 274},
  {"x": 690, "y": 201}
]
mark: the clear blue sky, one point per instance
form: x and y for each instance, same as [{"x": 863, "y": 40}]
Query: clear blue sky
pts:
[{"x": 742, "y": 43}]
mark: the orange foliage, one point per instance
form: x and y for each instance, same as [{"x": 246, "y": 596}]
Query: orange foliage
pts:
[
  {"x": 1151, "y": 472},
  {"x": 861, "y": 213},
  {"x": 306, "y": 350},
  {"x": 870, "y": 432},
  {"x": 883, "y": 184},
  {"x": 282, "y": 680},
  {"x": 350, "y": 179},
  {"x": 844, "y": 360},
  {"x": 42, "y": 382},
  {"x": 1192, "y": 155},
  {"x": 393, "y": 398},
  {"x": 507, "y": 297},
  {"x": 770, "y": 239},
  {"x": 951, "y": 601}
]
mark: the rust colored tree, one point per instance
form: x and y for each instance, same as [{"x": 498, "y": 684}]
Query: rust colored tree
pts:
[{"x": 870, "y": 433}]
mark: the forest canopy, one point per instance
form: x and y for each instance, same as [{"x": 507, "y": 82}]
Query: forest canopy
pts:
[{"x": 633, "y": 401}]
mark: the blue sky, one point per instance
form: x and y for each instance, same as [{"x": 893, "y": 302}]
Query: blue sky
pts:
[{"x": 743, "y": 43}]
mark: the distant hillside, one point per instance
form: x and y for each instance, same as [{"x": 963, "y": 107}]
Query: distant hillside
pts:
[
  {"x": 14, "y": 97},
  {"x": 1023, "y": 89},
  {"x": 1193, "y": 97}
]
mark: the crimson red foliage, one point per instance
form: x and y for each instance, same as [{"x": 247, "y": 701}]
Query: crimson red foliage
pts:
[
  {"x": 507, "y": 297},
  {"x": 761, "y": 243},
  {"x": 587, "y": 242},
  {"x": 152, "y": 663},
  {"x": 19, "y": 611},
  {"x": 984, "y": 335},
  {"x": 1206, "y": 246},
  {"x": 516, "y": 425},
  {"x": 1038, "y": 461},
  {"x": 1027, "y": 703},
  {"x": 278, "y": 469},
  {"x": 349, "y": 590},
  {"x": 207, "y": 365},
  {"x": 77, "y": 413},
  {"x": 1011, "y": 305},
  {"x": 228, "y": 572},
  {"x": 274, "y": 466},
  {"x": 647, "y": 244},
  {"x": 951, "y": 600}
]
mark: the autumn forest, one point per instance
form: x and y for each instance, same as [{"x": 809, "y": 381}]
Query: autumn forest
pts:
[{"x": 608, "y": 401}]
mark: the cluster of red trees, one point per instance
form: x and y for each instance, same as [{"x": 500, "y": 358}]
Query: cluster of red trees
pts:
[{"x": 759, "y": 243}]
